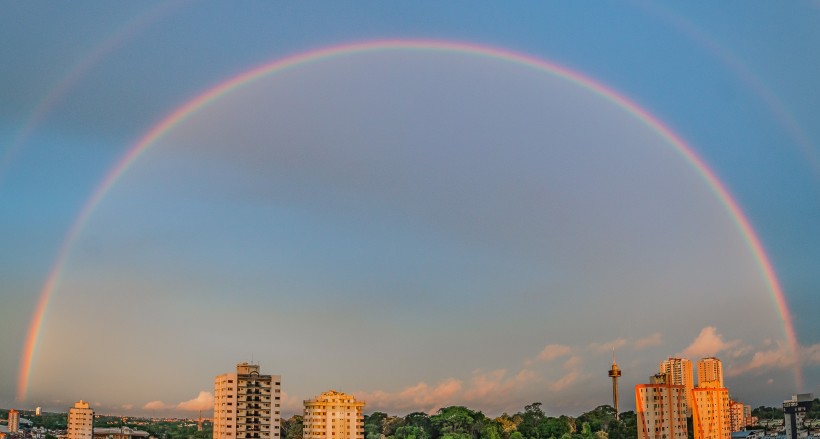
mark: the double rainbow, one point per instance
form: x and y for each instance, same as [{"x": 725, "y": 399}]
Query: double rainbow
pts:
[{"x": 192, "y": 106}]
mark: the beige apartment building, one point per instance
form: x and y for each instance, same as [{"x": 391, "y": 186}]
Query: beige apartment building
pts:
[
  {"x": 710, "y": 369},
  {"x": 334, "y": 415},
  {"x": 681, "y": 374},
  {"x": 80, "y": 421},
  {"x": 661, "y": 409},
  {"x": 14, "y": 421},
  {"x": 710, "y": 413},
  {"x": 247, "y": 404},
  {"x": 737, "y": 416}
]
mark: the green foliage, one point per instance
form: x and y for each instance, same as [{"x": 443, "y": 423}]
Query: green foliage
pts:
[
  {"x": 293, "y": 428},
  {"x": 373, "y": 425},
  {"x": 411, "y": 432},
  {"x": 455, "y": 422},
  {"x": 763, "y": 412}
]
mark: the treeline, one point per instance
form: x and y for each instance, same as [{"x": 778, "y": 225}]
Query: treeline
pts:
[
  {"x": 763, "y": 412},
  {"x": 457, "y": 422}
]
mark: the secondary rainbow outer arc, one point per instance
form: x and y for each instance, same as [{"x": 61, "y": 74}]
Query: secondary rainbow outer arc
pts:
[{"x": 221, "y": 89}]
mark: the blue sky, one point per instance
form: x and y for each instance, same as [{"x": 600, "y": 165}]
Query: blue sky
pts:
[{"x": 440, "y": 228}]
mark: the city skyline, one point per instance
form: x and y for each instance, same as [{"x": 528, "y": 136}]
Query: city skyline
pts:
[{"x": 470, "y": 210}]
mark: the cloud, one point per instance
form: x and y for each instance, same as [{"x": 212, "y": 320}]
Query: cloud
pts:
[
  {"x": 608, "y": 346},
  {"x": 420, "y": 396},
  {"x": 778, "y": 356},
  {"x": 155, "y": 405},
  {"x": 127, "y": 406},
  {"x": 494, "y": 384},
  {"x": 649, "y": 341},
  {"x": 203, "y": 401},
  {"x": 810, "y": 355},
  {"x": 709, "y": 343},
  {"x": 565, "y": 381},
  {"x": 553, "y": 351},
  {"x": 573, "y": 362},
  {"x": 291, "y": 404}
]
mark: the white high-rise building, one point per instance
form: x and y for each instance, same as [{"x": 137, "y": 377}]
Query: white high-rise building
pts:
[
  {"x": 680, "y": 372},
  {"x": 247, "y": 404},
  {"x": 333, "y": 415},
  {"x": 661, "y": 408},
  {"x": 710, "y": 369},
  {"x": 80, "y": 421}
]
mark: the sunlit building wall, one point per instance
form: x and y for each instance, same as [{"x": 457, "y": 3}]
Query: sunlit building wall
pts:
[
  {"x": 737, "y": 415},
  {"x": 710, "y": 369},
  {"x": 334, "y": 415},
  {"x": 14, "y": 421},
  {"x": 681, "y": 372},
  {"x": 80, "y": 421},
  {"x": 661, "y": 408},
  {"x": 247, "y": 404},
  {"x": 710, "y": 412}
]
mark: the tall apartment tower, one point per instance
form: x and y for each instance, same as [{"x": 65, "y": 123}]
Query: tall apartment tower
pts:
[
  {"x": 680, "y": 372},
  {"x": 14, "y": 421},
  {"x": 80, "y": 421},
  {"x": 710, "y": 412},
  {"x": 333, "y": 415},
  {"x": 710, "y": 369},
  {"x": 661, "y": 408},
  {"x": 247, "y": 404}
]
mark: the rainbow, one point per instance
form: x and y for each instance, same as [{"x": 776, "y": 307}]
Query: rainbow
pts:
[
  {"x": 192, "y": 106},
  {"x": 53, "y": 98}
]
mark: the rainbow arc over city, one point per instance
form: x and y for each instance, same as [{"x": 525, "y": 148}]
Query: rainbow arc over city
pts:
[{"x": 189, "y": 108}]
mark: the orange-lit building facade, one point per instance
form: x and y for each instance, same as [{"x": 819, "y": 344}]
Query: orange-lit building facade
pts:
[
  {"x": 710, "y": 412},
  {"x": 681, "y": 373},
  {"x": 710, "y": 369},
  {"x": 737, "y": 415},
  {"x": 334, "y": 415},
  {"x": 661, "y": 408},
  {"x": 14, "y": 421},
  {"x": 247, "y": 404}
]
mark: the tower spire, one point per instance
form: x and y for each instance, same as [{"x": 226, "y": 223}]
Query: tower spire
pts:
[{"x": 615, "y": 373}]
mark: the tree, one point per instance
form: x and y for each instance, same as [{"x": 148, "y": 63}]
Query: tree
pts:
[
  {"x": 293, "y": 428},
  {"x": 411, "y": 432},
  {"x": 420, "y": 420},
  {"x": 530, "y": 420},
  {"x": 374, "y": 424}
]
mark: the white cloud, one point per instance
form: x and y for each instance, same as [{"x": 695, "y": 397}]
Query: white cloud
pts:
[
  {"x": 553, "y": 351},
  {"x": 420, "y": 396},
  {"x": 565, "y": 381},
  {"x": 573, "y": 362},
  {"x": 608, "y": 346},
  {"x": 652, "y": 340},
  {"x": 495, "y": 383},
  {"x": 709, "y": 343},
  {"x": 155, "y": 405},
  {"x": 203, "y": 401}
]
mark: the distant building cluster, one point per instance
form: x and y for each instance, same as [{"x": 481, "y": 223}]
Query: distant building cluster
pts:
[
  {"x": 247, "y": 405},
  {"x": 671, "y": 396}
]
